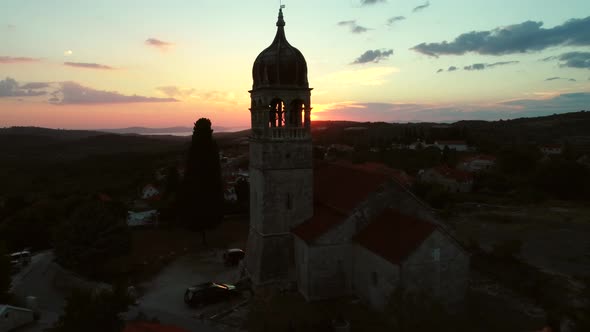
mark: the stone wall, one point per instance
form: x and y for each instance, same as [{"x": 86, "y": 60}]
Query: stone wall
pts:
[
  {"x": 268, "y": 258},
  {"x": 330, "y": 271},
  {"x": 439, "y": 267},
  {"x": 374, "y": 277}
]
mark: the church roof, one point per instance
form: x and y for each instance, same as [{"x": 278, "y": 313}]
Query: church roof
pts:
[
  {"x": 280, "y": 64},
  {"x": 338, "y": 189},
  {"x": 344, "y": 186},
  {"x": 394, "y": 236},
  {"x": 324, "y": 218}
]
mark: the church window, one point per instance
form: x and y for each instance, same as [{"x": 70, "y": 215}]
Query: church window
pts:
[
  {"x": 436, "y": 254},
  {"x": 289, "y": 201}
]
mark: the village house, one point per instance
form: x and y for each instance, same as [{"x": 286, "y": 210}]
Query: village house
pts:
[
  {"x": 453, "y": 145},
  {"x": 150, "y": 192},
  {"x": 477, "y": 163},
  {"x": 551, "y": 149},
  {"x": 142, "y": 219},
  {"x": 453, "y": 180}
]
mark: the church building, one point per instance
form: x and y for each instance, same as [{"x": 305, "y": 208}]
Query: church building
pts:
[{"x": 333, "y": 229}]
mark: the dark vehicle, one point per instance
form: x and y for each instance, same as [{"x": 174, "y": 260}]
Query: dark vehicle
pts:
[
  {"x": 232, "y": 257},
  {"x": 18, "y": 260},
  {"x": 209, "y": 292}
]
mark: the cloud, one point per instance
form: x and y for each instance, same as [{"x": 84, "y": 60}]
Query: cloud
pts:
[
  {"x": 74, "y": 93},
  {"x": 159, "y": 44},
  {"x": 410, "y": 112},
  {"x": 88, "y": 65},
  {"x": 560, "y": 78},
  {"x": 518, "y": 38},
  {"x": 452, "y": 68},
  {"x": 219, "y": 97},
  {"x": 394, "y": 19},
  {"x": 354, "y": 28},
  {"x": 35, "y": 85},
  {"x": 475, "y": 66},
  {"x": 421, "y": 7},
  {"x": 21, "y": 59},
  {"x": 176, "y": 92},
  {"x": 9, "y": 87},
  {"x": 372, "y": 76},
  {"x": 371, "y": 2},
  {"x": 373, "y": 56},
  {"x": 482, "y": 66},
  {"x": 572, "y": 60}
]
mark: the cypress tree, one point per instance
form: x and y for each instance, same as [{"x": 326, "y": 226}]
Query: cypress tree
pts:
[{"x": 202, "y": 195}]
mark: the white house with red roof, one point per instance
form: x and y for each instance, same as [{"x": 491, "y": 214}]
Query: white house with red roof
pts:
[
  {"x": 454, "y": 180},
  {"x": 150, "y": 192},
  {"x": 477, "y": 163}
]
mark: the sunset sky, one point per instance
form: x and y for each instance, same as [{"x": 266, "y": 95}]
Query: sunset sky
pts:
[{"x": 112, "y": 64}]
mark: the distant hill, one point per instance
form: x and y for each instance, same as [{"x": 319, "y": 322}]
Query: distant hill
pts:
[
  {"x": 167, "y": 130},
  {"x": 571, "y": 127},
  {"x": 34, "y": 144},
  {"x": 57, "y": 134}
]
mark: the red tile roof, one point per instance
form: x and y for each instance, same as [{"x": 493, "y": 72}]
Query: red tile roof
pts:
[
  {"x": 338, "y": 189},
  {"x": 151, "y": 327},
  {"x": 394, "y": 236},
  {"x": 453, "y": 173},
  {"x": 479, "y": 157},
  {"x": 324, "y": 218},
  {"x": 399, "y": 175},
  {"x": 343, "y": 187}
]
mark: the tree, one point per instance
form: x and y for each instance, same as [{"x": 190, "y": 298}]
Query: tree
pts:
[
  {"x": 201, "y": 201},
  {"x": 243, "y": 192},
  {"x": 446, "y": 154},
  {"x": 4, "y": 274},
  {"x": 93, "y": 311},
  {"x": 172, "y": 180},
  {"x": 95, "y": 232}
]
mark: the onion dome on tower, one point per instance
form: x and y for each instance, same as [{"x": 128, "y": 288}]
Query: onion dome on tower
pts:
[{"x": 280, "y": 64}]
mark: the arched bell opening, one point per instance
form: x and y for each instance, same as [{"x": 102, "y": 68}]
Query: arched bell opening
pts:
[
  {"x": 296, "y": 113},
  {"x": 276, "y": 113}
]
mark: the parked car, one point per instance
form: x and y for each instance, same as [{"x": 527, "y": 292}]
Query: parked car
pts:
[
  {"x": 14, "y": 317},
  {"x": 19, "y": 260},
  {"x": 232, "y": 257},
  {"x": 209, "y": 292}
]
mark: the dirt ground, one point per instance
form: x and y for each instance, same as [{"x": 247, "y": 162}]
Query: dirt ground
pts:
[{"x": 555, "y": 237}]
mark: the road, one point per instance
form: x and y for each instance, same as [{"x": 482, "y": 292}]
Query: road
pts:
[
  {"x": 163, "y": 296},
  {"x": 36, "y": 279},
  {"x": 162, "y": 299}
]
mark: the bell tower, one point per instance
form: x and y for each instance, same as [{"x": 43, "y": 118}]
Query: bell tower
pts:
[{"x": 281, "y": 173}]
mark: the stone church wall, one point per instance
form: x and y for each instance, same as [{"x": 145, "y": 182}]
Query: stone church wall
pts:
[
  {"x": 374, "y": 277},
  {"x": 327, "y": 270},
  {"x": 438, "y": 266},
  {"x": 280, "y": 199}
]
